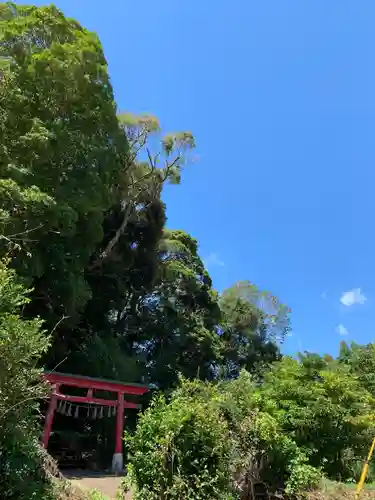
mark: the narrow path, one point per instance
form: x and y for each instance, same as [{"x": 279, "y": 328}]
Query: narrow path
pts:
[{"x": 107, "y": 484}]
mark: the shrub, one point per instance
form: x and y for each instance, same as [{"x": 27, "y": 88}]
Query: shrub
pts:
[
  {"x": 180, "y": 450},
  {"x": 213, "y": 442},
  {"x": 22, "y": 343},
  {"x": 261, "y": 451},
  {"x": 324, "y": 409}
]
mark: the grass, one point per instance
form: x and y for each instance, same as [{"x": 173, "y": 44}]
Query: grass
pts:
[
  {"x": 64, "y": 491},
  {"x": 96, "y": 495},
  {"x": 331, "y": 490}
]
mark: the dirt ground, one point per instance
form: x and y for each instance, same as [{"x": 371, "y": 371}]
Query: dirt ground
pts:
[{"x": 105, "y": 483}]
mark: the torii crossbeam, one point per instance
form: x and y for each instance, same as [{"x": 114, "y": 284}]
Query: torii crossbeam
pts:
[{"x": 57, "y": 380}]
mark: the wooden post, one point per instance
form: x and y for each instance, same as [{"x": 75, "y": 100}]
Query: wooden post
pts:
[
  {"x": 49, "y": 418},
  {"x": 118, "y": 460}
]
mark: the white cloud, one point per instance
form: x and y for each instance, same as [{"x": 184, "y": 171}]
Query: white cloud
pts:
[
  {"x": 341, "y": 330},
  {"x": 352, "y": 297},
  {"x": 213, "y": 260}
]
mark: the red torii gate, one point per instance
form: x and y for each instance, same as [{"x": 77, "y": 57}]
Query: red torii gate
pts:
[{"x": 57, "y": 380}]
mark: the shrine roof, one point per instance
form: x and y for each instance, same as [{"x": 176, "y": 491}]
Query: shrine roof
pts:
[{"x": 94, "y": 383}]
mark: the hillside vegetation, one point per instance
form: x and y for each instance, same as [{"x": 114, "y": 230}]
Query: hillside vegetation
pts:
[{"x": 93, "y": 281}]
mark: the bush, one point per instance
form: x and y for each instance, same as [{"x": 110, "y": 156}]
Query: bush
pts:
[
  {"x": 261, "y": 451},
  {"x": 324, "y": 409},
  {"x": 213, "y": 442},
  {"x": 22, "y": 343},
  {"x": 180, "y": 450}
]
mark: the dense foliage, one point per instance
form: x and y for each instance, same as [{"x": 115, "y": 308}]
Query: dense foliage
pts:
[
  {"x": 325, "y": 409},
  {"x": 307, "y": 418},
  {"x": 22, "y": 342},
  {"x": 83, "y": 228},
  {"x": 180, "y": 451}
]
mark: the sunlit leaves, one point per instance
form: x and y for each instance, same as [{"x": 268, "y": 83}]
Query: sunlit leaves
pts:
[
  {"x": 318, "y": 403},
  {"x": 62, "y": 152},
  {"x": 22, "y": 343}
]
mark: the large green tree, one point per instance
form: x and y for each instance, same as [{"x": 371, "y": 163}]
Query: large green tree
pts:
[
  {"x": 181, "y": 314},
  {"x": 61, "y": 154},
  {"x": 253, "y": 325},
  {"x": 126, "y": 267},
  {"x": 170, "y": 328}
]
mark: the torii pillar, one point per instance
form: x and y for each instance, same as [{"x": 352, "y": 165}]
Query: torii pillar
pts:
[{"x": 118, "y": 457}]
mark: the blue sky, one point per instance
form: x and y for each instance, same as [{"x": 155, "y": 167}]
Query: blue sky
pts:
[{"x": 280, "y": 96}]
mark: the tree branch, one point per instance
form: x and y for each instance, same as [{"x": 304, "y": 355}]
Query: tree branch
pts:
[
  {"x": 113, "y": 241},
  {"x": 136, "y": 145},
  {"x": 169, "y": 166}
]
